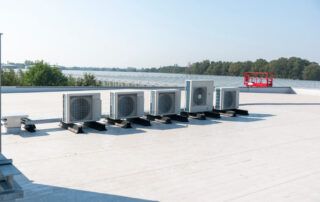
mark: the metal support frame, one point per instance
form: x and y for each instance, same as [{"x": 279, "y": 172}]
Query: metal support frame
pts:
[
  {"x": 258, "y": 79},
  {"x": 232, "y": 112},
  {"x": 140, "y": 121},
  {"x": 228, "y": 113},
  {"x": 242, "y": 112},
  {"x": 212, "y": 114},
  {"x": 160, "y": 119},
  {"x": 196, "y": 115},
  {"x": 28, "y": 125},
  {"x": 202, "y": 115},
  {"x": 118, "y": 122},
  {"x": 75, "y": 128},
  {"x": 177, "y": 117},
  {"x": 96, "y": 125}
]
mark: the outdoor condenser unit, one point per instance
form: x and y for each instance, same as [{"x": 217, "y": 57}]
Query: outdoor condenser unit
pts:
[
  {"x": 199, "y": 95},
  {"x": 126, "y": 104},
  {"x": 165, "y": 102},
  {"x": 81, "y": 107},
  {"x": 226, "y": 98}
]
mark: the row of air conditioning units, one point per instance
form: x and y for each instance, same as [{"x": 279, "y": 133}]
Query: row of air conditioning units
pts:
[{"x": 199, "y": 97}]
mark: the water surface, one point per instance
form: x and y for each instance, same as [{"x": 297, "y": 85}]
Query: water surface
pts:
[{"x": 170, "y": 79}]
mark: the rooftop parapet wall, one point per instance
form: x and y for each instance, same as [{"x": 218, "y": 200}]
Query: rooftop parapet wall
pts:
[
  {"x": 33, "y": 89},
  {"x": 306, "y": 91},
  {"x": 283, "y": 90}
]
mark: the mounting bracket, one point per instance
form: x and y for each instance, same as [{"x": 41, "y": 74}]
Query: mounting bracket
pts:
[
  {"x": 75, "y": 128},
  {"x": 177, "y": 117},
  {"x": 96, "y": 125},
  {"x": 140, "y": 121},
  {"x": 212, "y": 114},
  {"x": 197, "y": 115},
  {"x": 160, "y": 119},
  {"x": 120, "y": 123},
  {"x": 28, "y": 125}
]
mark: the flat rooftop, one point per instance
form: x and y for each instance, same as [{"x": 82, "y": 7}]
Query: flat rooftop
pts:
[{"x": 271, "y": 155}]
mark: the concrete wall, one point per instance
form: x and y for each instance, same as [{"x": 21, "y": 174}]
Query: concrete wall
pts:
[
  {"x": 14, "y": 89},
  {"x": 305, "y": 91},
  {"x": 284, "y": 90}
]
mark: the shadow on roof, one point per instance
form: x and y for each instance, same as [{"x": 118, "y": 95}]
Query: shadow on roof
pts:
[
  {"x": 208, "y": 121},
  {"x": 259, "y": 115},
  {"x": 251, "y": 118},
  {"x": 162, "y": 126},
  {"x": 241, "y": 119},
  {"x": 34, "y": 192},
  {"x": 114, "y": 130}
]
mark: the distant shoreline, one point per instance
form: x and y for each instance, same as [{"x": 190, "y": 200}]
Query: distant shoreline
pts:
[{"x": 285, "y": 68}]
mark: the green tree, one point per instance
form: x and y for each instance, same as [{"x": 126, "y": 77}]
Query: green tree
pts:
[
  {"x": 235, "y": 69},
  {"x": 8, "y": 77},
  {"x": 311, "y": 72},
  {"x": 20, "y": 78},
  {"x": 11, "y": 78},
  {"x": 88, "y": 80},
  {"x": 259, "y": 65},
  {"x": 198, "y": 67},
  {"x": 71, "y": 81},
  {"x": 297, "y": 66},
  {"x": 280, "y": 68},
  {"x": 42, "y": 74}
]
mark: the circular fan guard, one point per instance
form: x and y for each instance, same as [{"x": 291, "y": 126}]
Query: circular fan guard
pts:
[
  {"x": 229, "y": 99},
  {"x": 200, "y": 96},
  {"x": 165, "y": 103},
  {"x": 126, "y": 106},
  {"x": 79, "y": 108}
]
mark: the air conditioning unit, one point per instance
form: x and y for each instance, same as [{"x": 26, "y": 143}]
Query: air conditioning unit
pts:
[
  {"x": 81, "y": 107},
  {"x": 226, "y": 98},
  {"x": 199, "y": 95},
  {"x": 165, "y": 102},
  {"x": 126, "y": 104}
]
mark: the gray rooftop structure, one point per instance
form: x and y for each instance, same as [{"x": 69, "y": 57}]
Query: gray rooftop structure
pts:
[{"x": 271, "y": 155}]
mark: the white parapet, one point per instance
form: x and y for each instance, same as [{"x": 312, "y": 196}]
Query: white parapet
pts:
[
  {"x": 306, "y": 91},
  {"x": 284, "y": 90}
]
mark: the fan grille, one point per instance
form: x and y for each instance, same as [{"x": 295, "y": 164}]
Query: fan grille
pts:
[
  {"x": 127, "y": 105},
  {"x": 80, "y": 108},
  {"x": 229, "y": 100},
  {"x": 199, "y": 96},
  {"x": 166, "y": 103}
]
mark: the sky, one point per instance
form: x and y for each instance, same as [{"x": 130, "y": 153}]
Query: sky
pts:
[{"x": 154, "y": 33}]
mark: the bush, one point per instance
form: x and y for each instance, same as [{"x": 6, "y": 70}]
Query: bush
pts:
[
  {"x": 42, "y": 74},
  {"x": 10, "y": 78}
]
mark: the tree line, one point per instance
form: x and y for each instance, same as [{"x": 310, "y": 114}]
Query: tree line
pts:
[
  {"x": 43, "y": 74},
  {"x": 288, "y": 68}
]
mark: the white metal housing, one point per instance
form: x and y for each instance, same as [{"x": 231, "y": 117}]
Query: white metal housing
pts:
[
  {"x": 165, "y": 102},
  {"x": 226, "y": 98},
  {"x": 199, "y": 95},
  {"x": 81, "y": 107},
  {"x": 126, "y": 104}
]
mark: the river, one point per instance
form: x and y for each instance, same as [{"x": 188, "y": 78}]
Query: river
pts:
[{"x": 169, "y": 79}]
